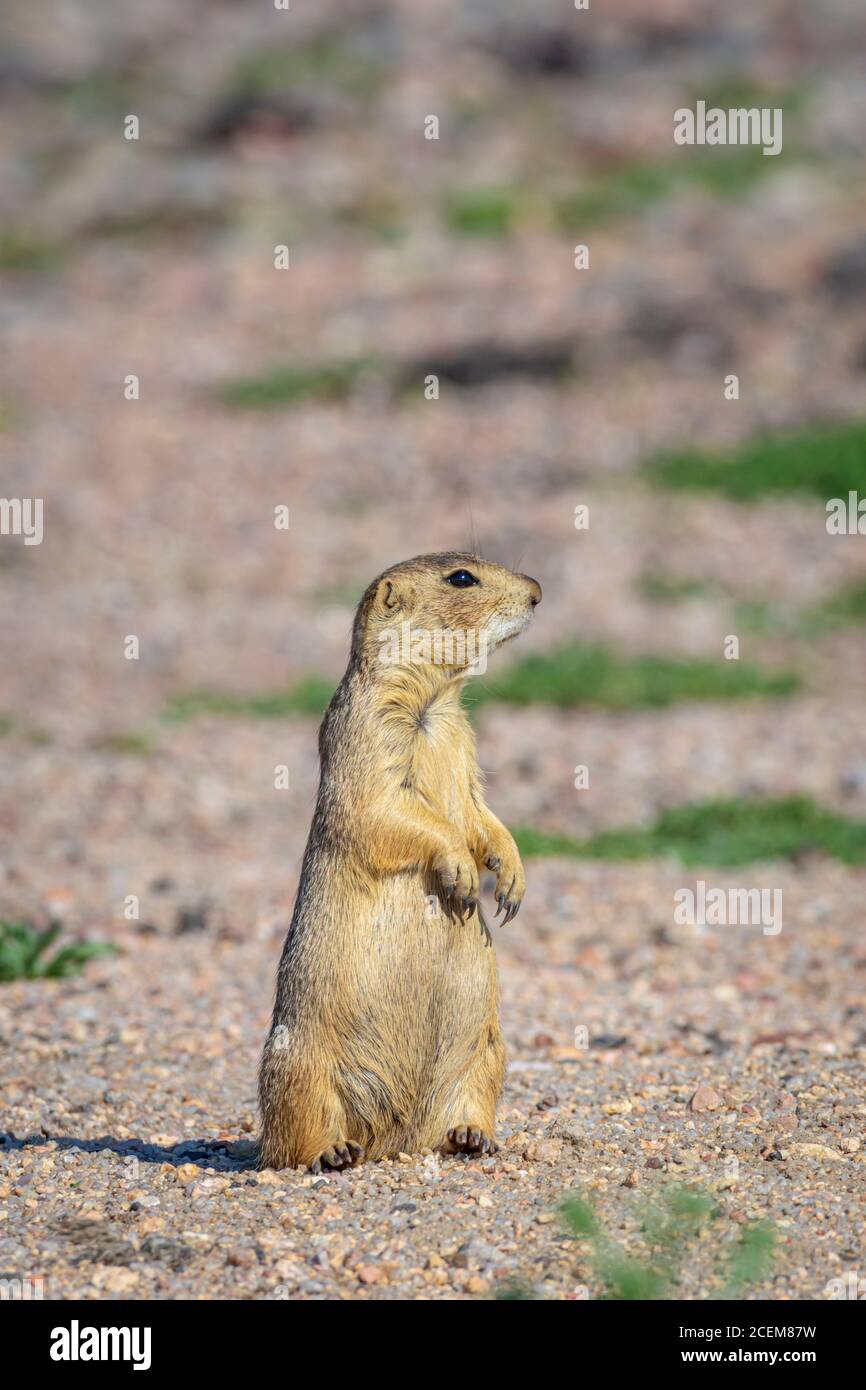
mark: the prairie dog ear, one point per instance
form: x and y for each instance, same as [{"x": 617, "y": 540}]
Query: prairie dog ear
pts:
[{"x": 387, "y": 597}]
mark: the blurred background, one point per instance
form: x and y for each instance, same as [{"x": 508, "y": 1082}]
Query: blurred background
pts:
[
  {"x": 559, "y": 387},
  {"x": 305, "y": 388}
]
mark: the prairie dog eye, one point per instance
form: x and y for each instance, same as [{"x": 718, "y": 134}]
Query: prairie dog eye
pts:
[{"x": 462, "y": 579}]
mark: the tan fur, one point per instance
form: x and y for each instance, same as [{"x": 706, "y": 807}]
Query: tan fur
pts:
[{"x": 385, "y": 1033}]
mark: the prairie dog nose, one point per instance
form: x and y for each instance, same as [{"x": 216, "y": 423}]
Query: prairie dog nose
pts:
[{"x": 534, "y": 591}]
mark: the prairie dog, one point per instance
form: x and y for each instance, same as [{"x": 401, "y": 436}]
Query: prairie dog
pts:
[{"x": 385, "y": 1033}]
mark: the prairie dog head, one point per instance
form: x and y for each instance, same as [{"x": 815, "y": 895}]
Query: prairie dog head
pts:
[{"x": 447, "y": 610}]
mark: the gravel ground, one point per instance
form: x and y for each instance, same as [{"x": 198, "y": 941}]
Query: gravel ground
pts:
[
  {"x": 128, "y": 1094},
  {"x": 132, "y": 1174}
]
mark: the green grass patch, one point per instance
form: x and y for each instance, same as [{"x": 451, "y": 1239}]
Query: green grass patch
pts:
[
  {"x": 737, "y": 90},
  {"x": 5, "y": 725},
  {"x": 750, "y": 1259},
  {"x": 102, "y": 95},
  {"x": 309, "y": 696},
  {"x": 682, "y": 1225},
  {"x": 845, "y": 608},
  {"x": 24, "y": 953},
  {"x": 622, "y": 192},
  {"x": 724, "y": 171},
  {"x": 38, "y": 738},
  {"x": 516, "y": 1291},
  {"x": 568, "y": 677},
  {"x": 333, "y": 61},
  {"x": 289, "y": 385},
  {"x": 680, "y": 1228},
  {"x": 628, "y": 190},
  {"x": 24, "y": 252},
  {"x": 757, "y": 616},
  {"x": 483, "y": 212},
  {"x": 724, "y": 833},
  {"x": 581, "y": 674},
  {"x": 825, "y": 461},
  {"x": 126, "y": 744},
  {"x": 625, "y": 191},
  {"x": 9, "y": 416},
  {"x": 469, "y": 368}
]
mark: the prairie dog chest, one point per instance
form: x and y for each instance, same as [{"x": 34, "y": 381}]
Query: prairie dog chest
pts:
[{"x": 443, "y": 758}]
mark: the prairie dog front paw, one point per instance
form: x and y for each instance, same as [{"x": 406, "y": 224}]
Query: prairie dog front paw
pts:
[
  {"x": 510, "y": 880},
  {"x": 457, "y": 878}
]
